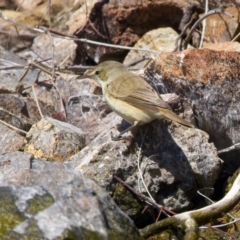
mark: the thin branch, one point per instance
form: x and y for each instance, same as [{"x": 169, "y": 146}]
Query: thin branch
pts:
[
  {"x": 236, "y": 37},
  {"x": 43, "y": 67},
  {"x": 193, "y": 17},
  {"x": 63, "y": 110},
  {"x": 25, "y": 73},
  {"x": 222, "y": 225},
  {"x": 11, "y": 126},
  {"x": 21, "y": 24},
  {"x": 148, "y": 200},
  {"x": 65, "y": 13},
  {"x": 140, "y": 170},
  {"x": 224, "y": 233},
  {"x": 113, "y": 45},
  {"x": 49, "y": 12},
  {"x": 58, "y": 35},
  {"x": 36, "y": 100},
  {"x": 236, "y": 146},
  {"x": 204, "y": 25}
]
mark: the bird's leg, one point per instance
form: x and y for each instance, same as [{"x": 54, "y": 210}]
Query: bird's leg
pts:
[{"x": 119, "y": 136}]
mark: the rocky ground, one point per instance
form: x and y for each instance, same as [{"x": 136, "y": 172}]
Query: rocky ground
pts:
[{"x": 58, "y": 163}]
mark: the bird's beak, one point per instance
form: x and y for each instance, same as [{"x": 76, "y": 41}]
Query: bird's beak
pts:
[{"x": 87, "y": 74}]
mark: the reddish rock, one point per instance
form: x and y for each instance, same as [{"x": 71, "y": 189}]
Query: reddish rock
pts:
[
  {"x": 222, "y": 28},
  {"x": 214, "y": 62},
  {"x": 129, "y": 20}
]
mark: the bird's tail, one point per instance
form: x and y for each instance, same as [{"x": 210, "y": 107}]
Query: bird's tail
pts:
[{"x": 168, "y": 114}]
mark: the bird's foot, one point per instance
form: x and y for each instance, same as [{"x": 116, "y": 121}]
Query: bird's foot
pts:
[{"x": 116, "y": 137}]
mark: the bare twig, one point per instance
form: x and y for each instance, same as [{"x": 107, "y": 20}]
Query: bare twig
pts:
[
  {"x": 210, "y": 200},
  {"x": 236, "y": 37},
  {"x": 63, "y": 110},
  {"x": 229, "y": 149},
  {"x": 58, "y": 35},
  {"x": 95, "y": 30},
  {"x": 49, "y": 12},
  {"x": 148, "y": 200},
  {"x": 113, "y": 45},
  {"x": 224, "y": 233},
  {"x": 140, "y": 170},
  {"x": 138, "y": 61},
  {"x": 204, "y": 25},
  {"x": 11, "y": 126},
  {"x": 194, "y": 17},
  {"x": 44, "y": 68},
  {"x": 25, "y": 73},
  {"x": 36, "y": 100}
]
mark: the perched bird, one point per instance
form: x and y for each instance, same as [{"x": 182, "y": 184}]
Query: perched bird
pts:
[{"x": 130, "y": 96}]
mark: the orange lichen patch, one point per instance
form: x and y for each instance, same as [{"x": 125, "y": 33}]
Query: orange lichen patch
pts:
[{"x": 201, "y": 65}]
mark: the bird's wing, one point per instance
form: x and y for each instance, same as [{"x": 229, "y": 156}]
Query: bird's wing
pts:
[{"x": 135, "y": 91}]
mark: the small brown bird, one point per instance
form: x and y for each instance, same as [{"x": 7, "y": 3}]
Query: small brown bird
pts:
[{"x": 130, "y": 96}]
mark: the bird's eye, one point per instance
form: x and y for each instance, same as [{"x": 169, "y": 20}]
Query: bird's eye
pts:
[{"x": 97, "y": 72}]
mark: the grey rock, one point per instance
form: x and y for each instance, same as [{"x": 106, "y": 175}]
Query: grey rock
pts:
[
  {"x": 24, "y": 109},
  {"x": 65, "y": 50},
  {"x": 14, "y": 162},
  {"x": 85, "y": 106},
  {"x": 14, "y": 120},
  {"x": 161, "y": 40},
  {"x": 55, "y": 140},
  {"x": 10, "y": 78},
  {"x": 81, "y": 209},
  {"x": 176, "y": 161},
  {"x": 10, "y": 140}
]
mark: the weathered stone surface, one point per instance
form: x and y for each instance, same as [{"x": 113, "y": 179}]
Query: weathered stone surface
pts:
[
  {"x": 53, "y": 201},
  {"x": 10, "y": 140},
  {"x": 68, "y": 86},
  {"x": 24, "y": 108},
  {"x": 210, "y": 79},
  {"x": 78, "y": 18},
  {"x": 65, "y": 50},
  {"x": 221, "y": 28},
  {"x": 85, "y": 108},
  {"x": 15, "y": 80},
  {"x": 87, "y": 112},
  {"x": 125, "y": 22},
  {"x": 12, "y": 102},
  {"x": 54, "y": 140},
  {"x": 28, "y": 4},
  {"x": 14, "y": 43},
  {"x": 13, "y": 120},
  {"x": 19, "y": 204},
  {"x": 175, "y": 161},
  {"x": 14, "y": 162},
  {"x": 161, "y": 39}
]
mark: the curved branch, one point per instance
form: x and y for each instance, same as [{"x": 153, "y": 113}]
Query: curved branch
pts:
[{"x": 188, "y": 221}]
